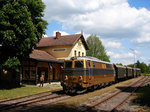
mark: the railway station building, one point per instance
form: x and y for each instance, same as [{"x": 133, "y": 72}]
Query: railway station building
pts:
[{"x": 47, "y": 58}]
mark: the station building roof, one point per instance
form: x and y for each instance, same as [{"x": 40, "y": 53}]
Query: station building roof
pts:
[
  {"x": 42, "y": 56},
  {"x": 59, "y": 40}
]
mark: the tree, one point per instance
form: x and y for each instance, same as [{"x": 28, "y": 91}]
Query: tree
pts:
[
  {"x": 138, "y": 64},
  {"x": 22, "y": 26},
  {"x": 119, "y": 64},
  {"x": 143, "y": 67},
  {"x": 96, "y": 49},
  {"x": 149, "y": 68},
  {"x": 131, "y": 65}
]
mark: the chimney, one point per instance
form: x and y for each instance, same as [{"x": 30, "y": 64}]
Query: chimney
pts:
[{"x": 58, "y": 34}]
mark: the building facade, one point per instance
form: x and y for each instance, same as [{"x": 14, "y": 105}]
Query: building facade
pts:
[
  {"x": 41, "y": 63},
  {"x": 47, "y": 58},
  {"x": 62, "y": 47}
]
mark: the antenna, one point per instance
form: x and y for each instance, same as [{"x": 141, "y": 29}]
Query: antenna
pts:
[{"x": 81, "y": 31}]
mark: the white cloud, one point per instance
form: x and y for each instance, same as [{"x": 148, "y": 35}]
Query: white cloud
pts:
[
  {"x": 125, "y": 59},
  {"x": 120, "y": 56},
  {"x": 106, "y": 18},
  {"x": 144, "y": 38},
  {"x": 45, "y": 36},
  {"x": 111, "y": 44},
  {"x": 86, "y": 35},
  {"x": 127, "y": 62},
  {"x": 142, "y": 58},
  {"x": 62, "y": 33},
  {"x": 111, "y": 20}
]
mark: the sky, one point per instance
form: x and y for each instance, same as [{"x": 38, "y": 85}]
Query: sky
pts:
[{"x": 123, "y": 26}]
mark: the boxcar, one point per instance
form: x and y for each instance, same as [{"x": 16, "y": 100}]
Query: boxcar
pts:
[
  {"x": 138, "y": 71},
  {"x": 86, "y": 72},
  {"x": 120, "y": 72},
  {"x": 129, "y": 72},
  {"x": 133, "y": 72}
]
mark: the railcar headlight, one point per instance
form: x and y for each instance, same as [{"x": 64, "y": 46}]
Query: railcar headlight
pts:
[{"x": 80, "y": 78}]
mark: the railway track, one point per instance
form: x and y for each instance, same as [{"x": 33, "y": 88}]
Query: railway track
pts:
[
  {"x": 25, "y": 101},
  {"x": 111, "y": 103}
]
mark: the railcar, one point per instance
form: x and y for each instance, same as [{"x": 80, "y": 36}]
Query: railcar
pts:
[
  {"x": 134, "y": 70},
  {"x": 129, "y": 72},
  {"x": 86, "y": 72},
  {"x": 120, "y": 72},
  {"x": 138, "y": 72}
]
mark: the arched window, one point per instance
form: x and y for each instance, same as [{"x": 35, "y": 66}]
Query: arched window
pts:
[
  {"x": 79, "y": 53},
  {"x": 75, "y": 53},
  {"x": 82, "y": 54}
]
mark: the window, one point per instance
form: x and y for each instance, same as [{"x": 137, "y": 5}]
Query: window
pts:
[
  {"x": 109, "y": 66},
  {"x": 75, "y": 53},
  {"x": 82, "y": 54},
  {"x": 78, "y": 64},
  {"x": 88, "y": 64},
  {"x": 93, "y": 64},
  {"x": 79, "y": 53},
  {"x": 68, "y": 64},
  {"x": 59, "y": 50}
]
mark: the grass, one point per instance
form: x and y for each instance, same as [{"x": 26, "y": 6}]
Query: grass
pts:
[
  {"x": 144, "y": 74},
  {"x": 143, "y": 97},
  {"x": 24, "y": 90}
]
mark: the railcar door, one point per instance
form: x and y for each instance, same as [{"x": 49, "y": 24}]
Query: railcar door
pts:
[{"x": 89, "y": 70}]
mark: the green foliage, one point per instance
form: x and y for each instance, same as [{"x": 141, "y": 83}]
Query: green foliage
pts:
[
  {"x": 144, "y": 68},
  {"x": 131, "y": 65},
  {"x": 119, "y": 64},
  {"x": 12, "y": 63},
  {"x": 96, "y": 49},
  {"x": 21, "y": 28}
]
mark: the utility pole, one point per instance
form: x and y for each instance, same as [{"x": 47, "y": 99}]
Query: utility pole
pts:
[
  {"x": 149, "y": 67},
  {"x": 134, "y": 56}
]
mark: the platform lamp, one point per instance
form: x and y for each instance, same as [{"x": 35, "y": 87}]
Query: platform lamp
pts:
[{"x": 149, "y": 66}]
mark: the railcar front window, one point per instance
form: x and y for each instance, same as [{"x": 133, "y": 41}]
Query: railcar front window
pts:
[
  {"x": 109, "y": 66},
  {"x": 88, "y": 64},
  {"x": 78, "y": 64},
  {"x": 68, "y": 64}
]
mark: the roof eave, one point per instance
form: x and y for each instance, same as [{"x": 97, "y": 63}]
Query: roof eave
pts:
[{"x": 47, "y": 60}]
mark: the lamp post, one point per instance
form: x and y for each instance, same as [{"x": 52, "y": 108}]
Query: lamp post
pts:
[
  {"x": 134, "y": 56},
  {"x": 149, "y": 67}
]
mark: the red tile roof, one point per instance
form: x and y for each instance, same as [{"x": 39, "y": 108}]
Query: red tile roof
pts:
[
  {"x": 61, "y": 41},
  {"x": 41, "y": 56}
]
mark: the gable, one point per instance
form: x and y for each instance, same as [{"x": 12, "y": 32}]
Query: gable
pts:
[{"x": 61, "y": 41}]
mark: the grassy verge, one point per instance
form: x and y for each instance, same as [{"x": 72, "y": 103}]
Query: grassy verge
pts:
[
  {"x": 143, "y": 97},
  {"x": 144, "y": 74},
  {"x": 25, "y": 90}
]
